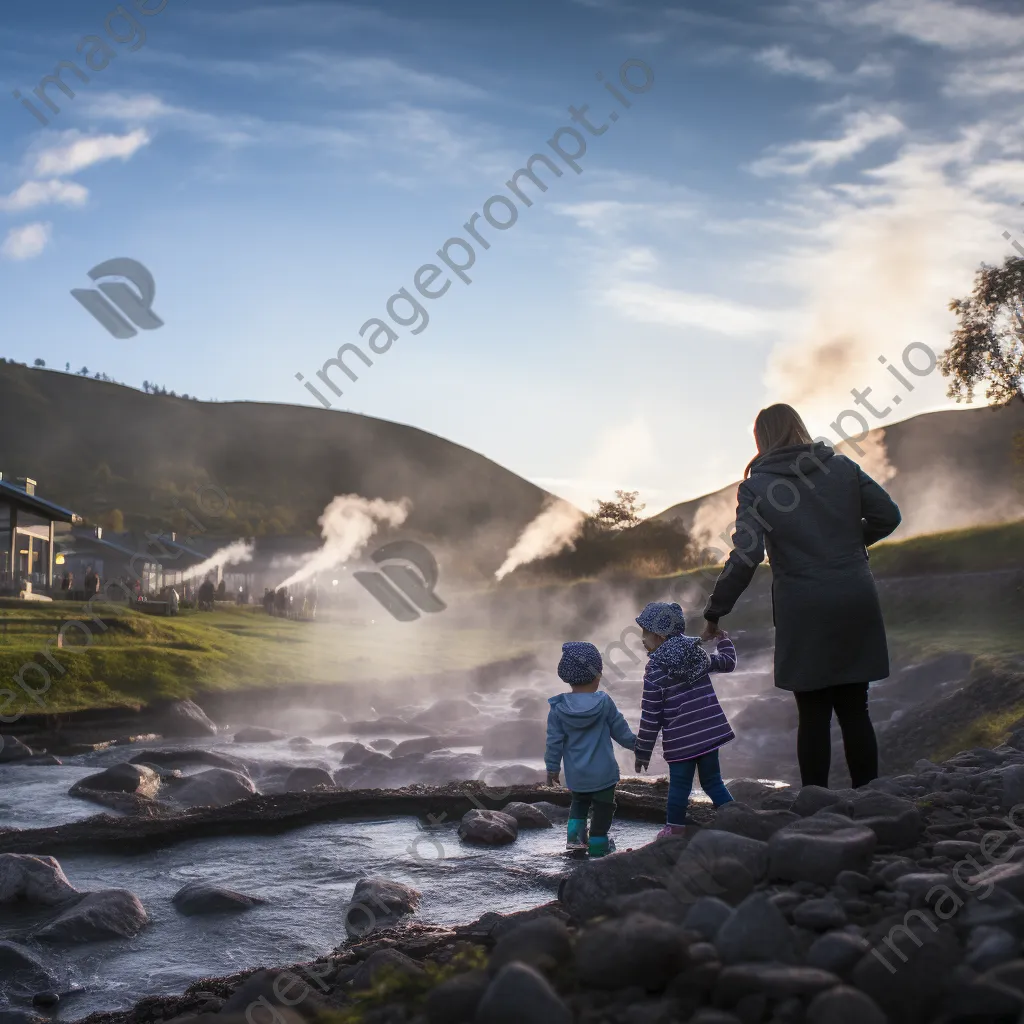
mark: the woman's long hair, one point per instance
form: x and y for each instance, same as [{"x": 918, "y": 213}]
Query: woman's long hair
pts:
[{"x": 776, "y": 427}]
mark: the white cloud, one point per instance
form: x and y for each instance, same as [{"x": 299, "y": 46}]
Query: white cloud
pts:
[
  {"x": 26, "y": 242},
  {"x": 987, "y": 77},
  {"x": 43, "y": 193},
  {"x": 653, "y": 304},
  {"x": 380, "y": 74},
  {"x": 782, "y": 62},
  {"x": 860, "y": 130},
  {"x": 79, "y": 151},
  {"x": 943, "y": 23}
]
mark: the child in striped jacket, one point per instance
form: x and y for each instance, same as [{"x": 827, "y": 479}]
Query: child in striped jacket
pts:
[{"x": 679, "y": 701}]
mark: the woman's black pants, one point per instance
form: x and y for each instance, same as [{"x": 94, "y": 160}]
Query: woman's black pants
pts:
[{"x": 814, "y": 734}]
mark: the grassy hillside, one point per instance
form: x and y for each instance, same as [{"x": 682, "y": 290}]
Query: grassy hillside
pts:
[
  {"x": 95, "y": 447},
  {"x": 978, "y": 549}
]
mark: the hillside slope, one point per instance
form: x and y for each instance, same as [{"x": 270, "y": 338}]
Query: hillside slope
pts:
[
  {"x": 952, "y": 469},
  {"x": 94, "y": 447}
]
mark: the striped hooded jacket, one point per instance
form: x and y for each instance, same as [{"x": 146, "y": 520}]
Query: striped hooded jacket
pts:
[{"x": 679, "y": 700}]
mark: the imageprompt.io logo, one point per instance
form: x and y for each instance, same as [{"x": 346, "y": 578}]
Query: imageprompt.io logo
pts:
[
  {"x": 136, "y": 305},
  {"x": 403, "y": 592}
]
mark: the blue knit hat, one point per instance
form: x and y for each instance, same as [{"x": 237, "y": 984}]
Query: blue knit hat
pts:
[
  {"x": 581, "y": 663},
  {"x": 662, "y": 619}
]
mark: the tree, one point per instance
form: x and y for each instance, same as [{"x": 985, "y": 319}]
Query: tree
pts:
[
  {"x": 67, "y": 367},
  {"x": 988, "y": 344},
  {"x": 621, "y": 513},
  {"x": 39, "y": 362},
  {"x": 84, "y": 371}
]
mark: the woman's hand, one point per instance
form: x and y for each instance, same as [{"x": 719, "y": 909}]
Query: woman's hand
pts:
[
  {"x": 640, "y": 766},
  {"x": 553, "y": 779},
  {"x": 711, "y": 631}
]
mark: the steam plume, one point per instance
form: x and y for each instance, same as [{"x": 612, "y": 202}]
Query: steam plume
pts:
[
  {"x": 235, "y": 553},
  {"x": 347, "y": 524},
  {"x": 554, "y": 530}
]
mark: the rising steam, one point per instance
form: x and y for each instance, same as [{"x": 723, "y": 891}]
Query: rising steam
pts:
[
  {"x": 554, "y": 530},
  {"x": 347, "y": 524},
  {"x": 234, "y": 554}
]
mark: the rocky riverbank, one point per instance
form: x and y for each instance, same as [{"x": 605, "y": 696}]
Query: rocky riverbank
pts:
[{"x": 900, "y": 902}]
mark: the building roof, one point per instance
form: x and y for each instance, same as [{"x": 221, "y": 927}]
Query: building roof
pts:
[{"x": 33, "y": 503}]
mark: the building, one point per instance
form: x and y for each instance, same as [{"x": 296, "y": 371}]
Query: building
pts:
[{"x": 30, "y": 528}]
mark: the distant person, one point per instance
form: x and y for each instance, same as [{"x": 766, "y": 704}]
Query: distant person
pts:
[
  {"x": 679, "y": 701},
  {"x": 92, "y": 583},
  {"x": 581, "y": 727},
  {"x": 312, "y": 594},
  {"x": 65, "y": 582},
  {"x": 281, "y": 601},
  {"x": 815, "y": 512}
]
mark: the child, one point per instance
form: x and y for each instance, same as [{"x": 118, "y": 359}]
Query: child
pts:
[
  {"x": 679, "y": 700},
  {"x": 581, "y": 727}
]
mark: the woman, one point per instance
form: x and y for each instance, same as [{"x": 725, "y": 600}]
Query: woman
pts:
[{"x": 815, "y": 512}]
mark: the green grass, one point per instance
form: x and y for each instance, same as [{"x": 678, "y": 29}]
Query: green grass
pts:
[
  {"x": 139, "y": 658},
  {"x": 977, "y": 549}
]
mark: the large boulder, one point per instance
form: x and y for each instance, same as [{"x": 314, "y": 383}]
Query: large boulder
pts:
[
  {"x": 185, "y": 719},
  {"x": 276, "y": 996},
  {"x": 190, "y": 756},
  {"x": 257, "y": 734},
  {"x": 195, "y": 898},
  {"x": 106, "y": 914},
  {"x": 756, "y": 931},
  {"x": 378, "y": 903},
  {"x": 22, "y": 973},
  {"x": 717, "y": 863},
  {"x": 492, "y": 827},
  {"x": 423, "y": 745},
  {"x": 896, "y": 822},
  {"x": 518, "y": 738},
  {"x": 38, "y": 881},
  {"x": 12, "y": 749},
  {"x": 746, "y": 821},
  {"x": 135, "y": 779},
  {"x": 447, "y": 714},
  {"x": 816, "y": 849},
  {"x": 521, "y": 993},
  {"x": 638, "y": 950},
  {"x": 543, "y": 943},
  {"x": 527, "y": 815},
  {"x": 301, "y": 780},
  {"x": 443, "y": 766},
  {"x": 215, "y": 787}
]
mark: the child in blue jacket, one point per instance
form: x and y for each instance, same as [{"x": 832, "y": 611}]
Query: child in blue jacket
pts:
[{"x": 581, "y": 727}]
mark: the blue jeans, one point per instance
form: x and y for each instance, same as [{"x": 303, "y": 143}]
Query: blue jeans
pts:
[{"x": 680, "y": 782}]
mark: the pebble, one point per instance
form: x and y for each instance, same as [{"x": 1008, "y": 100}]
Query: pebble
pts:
[
  {"x": 520, "y": 993},
  {"x": 820, "y": 915},
  {"x": 756, "y": 930}
]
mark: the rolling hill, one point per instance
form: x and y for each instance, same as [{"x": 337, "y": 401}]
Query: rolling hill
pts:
[
  {"x": 946, "y": 470},
  {"x": 96, "y": 447}
]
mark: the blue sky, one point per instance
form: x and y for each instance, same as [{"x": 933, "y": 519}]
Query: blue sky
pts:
[{"x": 803, "y": 189}]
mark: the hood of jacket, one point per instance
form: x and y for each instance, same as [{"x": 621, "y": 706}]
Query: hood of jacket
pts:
[
  {"x": 579, "y": 710},
  {"x": 798, "y": 460},
  {"x": 682, "y": 658}
]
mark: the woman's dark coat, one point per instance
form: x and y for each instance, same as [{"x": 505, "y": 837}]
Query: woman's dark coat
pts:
[{"x": 815, "y": 512}]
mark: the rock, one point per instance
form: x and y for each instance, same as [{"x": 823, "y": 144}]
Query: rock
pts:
[
  {"x": 12, "y": 749},
  {"x": 745, "y": 821},
  {"x": 357, "y": 753},
  {"x": 1011, "y": 974},
  {"x": 818, "y": 848},
  {"x": 301, "y": 780},
  {"x": 504, "y": 776},
  {"x": 384, "y": 746},
  {"x": 269, "y": 997},
  {"x": 543, "y": 943},
  {"x": 954, "y": 849},
  {"x": 918, "y": 884},
  {"x": 756, "y": 931},
  {"x": 8, "y": 1016},
  {"x": 706, "y": 916},
  {"x": 203, "y": 898},
  {"x": 556, "y": 813},
  {"x": 192, "y": 755},
  {"x": 527, "y": 815},
  {"x": 493, "y": 827},
  {"x": 45, "y": 999},
  {"x": 300, "y": 743},
  {"x": 716, "y": 863},
  {"x": 774, "y": 980},
  {"x": 391, "y": 960},
  {"x": 819, "y": 915},
  {"x": 1008, "y": 877},
  {"x": 257, "y": 734},
  {"x": 456, "y": 999},
  {"x": 997, "y": 908},
  {"x": 184, "y": 718},
  {"x": 812, "y": 799},
  {"x": 343, "y": 745},
  {"x": 105, "y": 914},
  {"x": 844, "y": 1005},
  {"x": 653, "y": 902},
  {"x": 445, "y": 713},
  {"x": 22, "y": 972},
  {"x": 215, "y": 787},
  {"x": 443, "y": 766},
  {"x": 1012, "y": 788},
  {"x": 122, "y": 778},
  {"x": 636, "y": 951},
  {"x": 837, "y": 952},
  {"x": 34, "y": 880},
  {"x": 906, "y": 976},
  {"x": 980, "y": 1000},
  {"x": 988, "y": 946},
  {"x": 753, "y": 792},
  {"x": 520, "y": 993},
  {"x": 423, "y": 745},
  {"x": 896, "y": 822},
  {"x": 378, "y": 903},
  {"x": 518, "y": 738}
]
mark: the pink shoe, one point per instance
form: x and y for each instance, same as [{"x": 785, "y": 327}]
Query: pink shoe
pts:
[{"x": 671, "y": 830}]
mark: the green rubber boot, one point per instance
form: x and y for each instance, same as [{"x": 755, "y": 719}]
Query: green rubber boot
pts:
[
  {"x": 576, "y": 834},
  {"x": 600, "y": 846}
]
